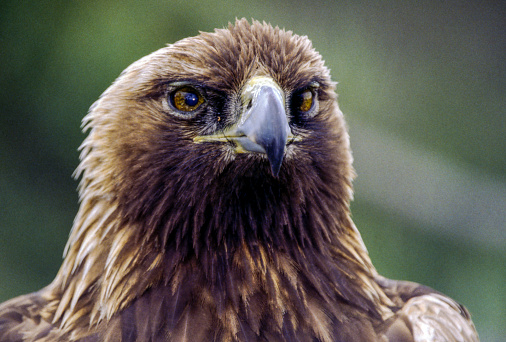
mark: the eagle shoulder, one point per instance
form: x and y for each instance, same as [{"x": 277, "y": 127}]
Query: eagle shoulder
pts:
[
  {"x": 22, "y": 318},
  {"x": 430, "y": 315}
]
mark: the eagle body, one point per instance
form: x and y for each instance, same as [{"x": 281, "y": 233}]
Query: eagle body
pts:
[{"x": 215, "y": 190}]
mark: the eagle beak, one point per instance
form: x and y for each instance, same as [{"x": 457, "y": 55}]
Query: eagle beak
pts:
[{"x": 262, "y": 126}]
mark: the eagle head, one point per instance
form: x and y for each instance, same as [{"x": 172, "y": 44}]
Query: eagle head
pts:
[{"x": 229, "y": 135}]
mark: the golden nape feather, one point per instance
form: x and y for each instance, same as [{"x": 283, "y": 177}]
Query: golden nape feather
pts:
[{"x": 215, "y": 185}]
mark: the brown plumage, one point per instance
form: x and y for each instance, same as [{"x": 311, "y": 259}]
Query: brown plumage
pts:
[{"x": 215, "y": 190}]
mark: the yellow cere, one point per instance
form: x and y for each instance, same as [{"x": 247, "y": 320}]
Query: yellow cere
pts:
[{"x": 251, "y": 90}]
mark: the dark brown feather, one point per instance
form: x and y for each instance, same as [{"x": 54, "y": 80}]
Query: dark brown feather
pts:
[{"x": 183, "y": 241}]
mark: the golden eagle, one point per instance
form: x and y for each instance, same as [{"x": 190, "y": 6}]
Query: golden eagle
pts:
[{"x": 215, "y": 190}]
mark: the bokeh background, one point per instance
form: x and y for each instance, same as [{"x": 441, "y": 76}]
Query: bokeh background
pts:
[{"x": 422, "y": 85}]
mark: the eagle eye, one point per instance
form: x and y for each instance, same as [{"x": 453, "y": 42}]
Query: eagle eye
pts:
[
  {"x": 304, "y": 100},
  {"x": 186, "y": 99}
]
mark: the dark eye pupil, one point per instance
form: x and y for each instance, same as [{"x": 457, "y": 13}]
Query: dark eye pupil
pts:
[{"x": 191, "y": 99}]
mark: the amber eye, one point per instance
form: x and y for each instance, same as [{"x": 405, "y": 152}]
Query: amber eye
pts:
[
  {"x": 186, "y": 99},
  {"x": 304, "y": 100}
]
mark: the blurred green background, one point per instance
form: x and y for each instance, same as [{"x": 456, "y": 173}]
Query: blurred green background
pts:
[{"x": 422, "y": 85}]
